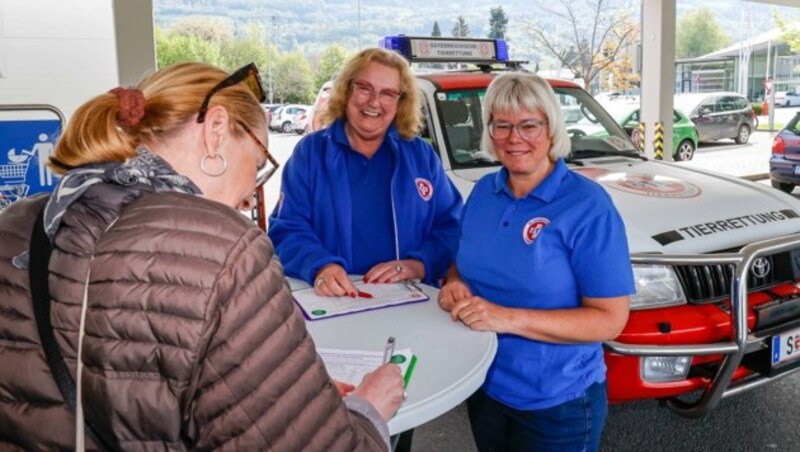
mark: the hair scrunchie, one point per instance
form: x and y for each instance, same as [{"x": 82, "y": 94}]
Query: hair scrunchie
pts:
[{"x": 131, "y": 106}]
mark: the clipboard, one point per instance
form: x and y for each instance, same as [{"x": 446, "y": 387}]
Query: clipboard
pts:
[{"x": 315, "y": 307}]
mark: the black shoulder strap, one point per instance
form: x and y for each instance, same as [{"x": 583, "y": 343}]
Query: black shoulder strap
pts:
[{"x": 40, "y": 251}]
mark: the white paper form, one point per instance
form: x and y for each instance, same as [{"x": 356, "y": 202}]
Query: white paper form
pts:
[
  {"x": 350, "y": 366},
  {"x": 372, "y": 296}
]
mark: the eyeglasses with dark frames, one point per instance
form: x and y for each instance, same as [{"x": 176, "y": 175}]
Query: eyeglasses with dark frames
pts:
[
  {"x": 269, "y": 167},
  {"x": 367, "y": 91},
  {"x": 247, "y": 74}
]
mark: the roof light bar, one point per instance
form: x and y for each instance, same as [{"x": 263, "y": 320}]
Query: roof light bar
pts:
[{"x": 465, "y": 50}]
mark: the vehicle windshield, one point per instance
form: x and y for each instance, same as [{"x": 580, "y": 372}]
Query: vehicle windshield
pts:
[{"x": 589, "y": 126}]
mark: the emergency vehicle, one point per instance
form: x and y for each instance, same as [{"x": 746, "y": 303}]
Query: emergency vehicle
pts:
[{"x": 716, "y": 259}]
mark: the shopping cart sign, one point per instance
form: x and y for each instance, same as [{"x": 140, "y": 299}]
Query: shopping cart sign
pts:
[{"x": 25, "y": 147}]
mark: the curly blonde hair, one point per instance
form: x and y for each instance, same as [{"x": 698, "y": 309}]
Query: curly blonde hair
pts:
[{"x": 408, "y": 119}]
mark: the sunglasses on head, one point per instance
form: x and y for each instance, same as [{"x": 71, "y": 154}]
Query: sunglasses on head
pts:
[{"x": 247, "y": 74}]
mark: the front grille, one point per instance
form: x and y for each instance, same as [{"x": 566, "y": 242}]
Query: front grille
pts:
[{"x": 708, "y": 283}]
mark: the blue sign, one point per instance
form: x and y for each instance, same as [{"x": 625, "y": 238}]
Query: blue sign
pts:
[{"x": 25, "y": 147}]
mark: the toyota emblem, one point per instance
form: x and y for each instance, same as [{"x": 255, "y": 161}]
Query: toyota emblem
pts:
[{"x": 760, "y": 267}]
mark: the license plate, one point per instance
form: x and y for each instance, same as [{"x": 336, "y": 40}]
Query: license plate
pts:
[
  {"x": 786, "y": 347},
  {"x": 797, "y": 170}
]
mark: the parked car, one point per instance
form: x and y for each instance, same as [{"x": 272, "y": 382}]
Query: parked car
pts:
[
  {"x": 269, "y": 109},
  {"x": 718, "y": 115},
  {"x": 786, "y": 99},
  {"x": 784, "y": 164},
  {"x": 300, "y": 122},
  {"x": 684, "y": 133},
  {"x": 282, "y": 118},
  {"x": 714, "y": 257}
]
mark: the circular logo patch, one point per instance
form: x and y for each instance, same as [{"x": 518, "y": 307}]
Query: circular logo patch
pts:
[
  {"x": 533, "y": 228},
  {"x": 424, "y": 188},
  {"x": 651, "y": 185}
]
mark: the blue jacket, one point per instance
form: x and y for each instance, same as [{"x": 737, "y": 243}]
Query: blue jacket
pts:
[{"x": 311, "y": 225}]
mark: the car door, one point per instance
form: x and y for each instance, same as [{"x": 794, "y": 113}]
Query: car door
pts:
[
  {"x": 705, "y": 119},
  {"x": 731, "y": 116}
]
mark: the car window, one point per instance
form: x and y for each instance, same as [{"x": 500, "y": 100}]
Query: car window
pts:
[
  {"x": 726, "y": 103},
  {"x": 741, "y": 103},
  {"x": 675, "y": 116},
  {"x": 708, "y": 105},
  {"x": 588, "y": 125}
]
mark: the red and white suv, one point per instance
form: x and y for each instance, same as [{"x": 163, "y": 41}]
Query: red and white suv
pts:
[{"x": 716, "y": 259}]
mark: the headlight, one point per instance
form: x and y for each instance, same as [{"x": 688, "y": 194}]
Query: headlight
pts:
[{"x": 657, "y": 286}]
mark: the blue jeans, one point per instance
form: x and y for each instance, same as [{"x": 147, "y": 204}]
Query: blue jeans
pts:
[{"x": 575, "y": 425}]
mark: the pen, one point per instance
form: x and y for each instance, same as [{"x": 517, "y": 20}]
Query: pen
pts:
[{"x": 389, "y": 350}]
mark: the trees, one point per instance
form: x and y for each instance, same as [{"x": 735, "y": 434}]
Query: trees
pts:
[
  {"x": 498, "y": 22},
  {"x": 436, "y": 31},
  {"x": 174, "y": 48},
  {"x": 790, "y": 32},
  {"x": 698, "y": 33},
  {"x": 330, "y": 62},
  {"x": 293, "y": 79},
  {"x": 460, "y": 28},
  {"x": 584, "y": 36}
]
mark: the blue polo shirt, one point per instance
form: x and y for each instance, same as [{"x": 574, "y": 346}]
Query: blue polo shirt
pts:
[
  {"x": 370, "y": 195},
  {"x": 562, "y": 241}
]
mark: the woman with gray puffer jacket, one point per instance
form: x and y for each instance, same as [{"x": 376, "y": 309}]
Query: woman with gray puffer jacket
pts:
[{"x": 169, "y": 307}]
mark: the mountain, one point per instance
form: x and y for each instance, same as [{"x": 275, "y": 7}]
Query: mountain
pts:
[{"x": 311, "y": 25}]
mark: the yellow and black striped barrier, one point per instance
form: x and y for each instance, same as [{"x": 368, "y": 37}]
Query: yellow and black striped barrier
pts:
[
  {"x": 640, "y": 137},
  {"x": 658, "y": 141}
]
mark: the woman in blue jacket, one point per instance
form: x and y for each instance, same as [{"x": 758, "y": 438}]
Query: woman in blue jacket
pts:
[{"x": 366, "y": 195}]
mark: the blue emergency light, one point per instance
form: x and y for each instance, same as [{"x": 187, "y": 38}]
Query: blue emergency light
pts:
[{"x": 430, "y": 49}]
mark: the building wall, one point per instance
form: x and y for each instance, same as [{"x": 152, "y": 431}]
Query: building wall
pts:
[{"x": 56, "y": 52}]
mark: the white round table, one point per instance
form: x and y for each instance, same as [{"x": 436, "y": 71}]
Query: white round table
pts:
[{"x": 452, "y": 360}]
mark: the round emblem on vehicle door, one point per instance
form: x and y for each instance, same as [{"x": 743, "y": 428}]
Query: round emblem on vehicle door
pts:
[
  {"x": 424, "y": 188},
  {"x": 533, "y": 228},
  {"x": 760, "y": 268}
]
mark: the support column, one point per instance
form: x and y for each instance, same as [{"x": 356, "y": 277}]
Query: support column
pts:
[
  {"x": 134, "y": 32},
  {"x": 658, "y": 71}
]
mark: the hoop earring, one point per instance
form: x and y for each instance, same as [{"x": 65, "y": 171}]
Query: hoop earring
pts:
[{"x": 206, "y": 172}]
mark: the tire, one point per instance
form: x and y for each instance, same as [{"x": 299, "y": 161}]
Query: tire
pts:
[
  {"x": 286, "y": 127},
  {"x": 744, "y": 134},
  {"x": 782, "y": 186},
  {"x": 685, "y": 151},
  {"x": 300, "y": 131}
]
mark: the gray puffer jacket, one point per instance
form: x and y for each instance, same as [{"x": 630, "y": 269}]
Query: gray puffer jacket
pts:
[{"x": 192, "y": 340}]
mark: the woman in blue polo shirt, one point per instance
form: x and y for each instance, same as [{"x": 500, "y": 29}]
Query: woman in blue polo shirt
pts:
[
  {"x": 366, "y": 195},
  {"x": 566, "y": 291}
]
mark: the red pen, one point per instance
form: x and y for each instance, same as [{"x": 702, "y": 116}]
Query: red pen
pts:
[{"x": 362, "y": 294}]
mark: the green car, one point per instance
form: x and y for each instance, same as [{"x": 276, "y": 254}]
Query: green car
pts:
[{"x": 684, "y": 133}]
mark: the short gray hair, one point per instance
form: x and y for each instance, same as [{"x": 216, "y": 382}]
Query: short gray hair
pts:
[{"x": 523, "y": 91}]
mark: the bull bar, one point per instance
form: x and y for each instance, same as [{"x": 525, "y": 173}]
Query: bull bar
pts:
[{"x": 741, "y": 341}]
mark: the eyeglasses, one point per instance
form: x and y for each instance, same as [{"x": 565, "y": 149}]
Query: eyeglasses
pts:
[
  {"x": 269, "y": 167},
  {"x": 366, "y": 91},
  {"x": 247, "y": 74},
  {"x": 527, "y": 130}
]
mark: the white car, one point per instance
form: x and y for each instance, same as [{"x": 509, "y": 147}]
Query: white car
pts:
[
  {"x": 716, "y": 259},
  {"x": 300, "y": 122},
  {"x": 786, "y": 99},
  {"x": 282, "y": 118}
]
